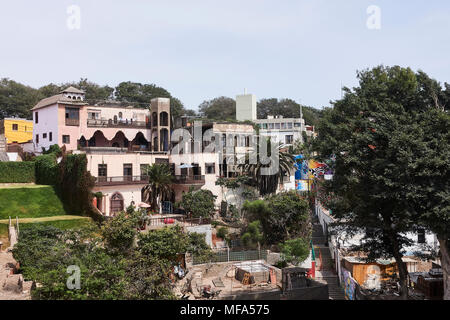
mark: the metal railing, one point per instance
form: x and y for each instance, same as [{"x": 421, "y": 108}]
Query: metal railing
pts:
[
  {"x": 122, "y": 180},
  {"x": 97, "y": 123},
  {"x": 168, "y": 221},
  {"x": 183, "y": 179}
]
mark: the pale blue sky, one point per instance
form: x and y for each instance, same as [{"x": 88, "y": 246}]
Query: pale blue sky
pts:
[{"x": 199, "y": 50}]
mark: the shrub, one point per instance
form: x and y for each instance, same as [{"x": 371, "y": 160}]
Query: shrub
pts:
[
  {"x": 199, "y": 203},
  {"x": 17, "y": 172},
  {"x": 253, "y": 235},
  {"x": 46, "y": 169},
  {"x": 295, "y": 250},
  {"x": 222, "y": 232}
]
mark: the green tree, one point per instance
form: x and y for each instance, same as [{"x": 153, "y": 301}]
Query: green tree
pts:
[
  {"x": 283, "y": 216},
  {"x": 120, "y": 232},
  {"x": 287, "y": 108},
  {"x": 253, "y": 235},
  {"x": 429, "y": 197},
  {"x": 374, "y": 136},
  {"x": 45, "y": 253},
  {"x": 167, "y": 243},
  {"x": 200, "y": 203},
  {"x": 221, "y": 108},
  {"x": 16, "y": 99},
  {"x": 295, "y": 251},
  {"x": 141, "y": 94},
  {"x": 75, "y": 185},
  {"x": 159, "y": 186}
]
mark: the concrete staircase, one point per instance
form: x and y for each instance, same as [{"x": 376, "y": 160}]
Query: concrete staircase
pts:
[
  {"x": 324, "y": 270},
  {"x": 2, "y": 142},
  {"x": 3, "y": 155}
]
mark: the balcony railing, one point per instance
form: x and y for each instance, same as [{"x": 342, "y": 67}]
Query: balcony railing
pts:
[
  {"x": 97, "y": 123},
  {"x": 183, "y": 179},
  {"x": 111, "y": 181},
  {"x": 72, "y": 122},
  {"x": 167, "y": 221}
]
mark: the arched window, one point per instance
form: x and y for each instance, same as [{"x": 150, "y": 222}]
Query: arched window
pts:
[
  {"x": 163, "y": 119},
  {"x": 116, "y": 203},
  {"x": 115, "y": 119}
]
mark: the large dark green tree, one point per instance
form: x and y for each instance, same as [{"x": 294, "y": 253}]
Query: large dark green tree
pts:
[
  {"x": 374, "y": 135},
  {"x": 16, "y": 99},
  {"x": 287, "y": 108},
  {"x": 429, "y": 196},
  {"x": 140, "y": 95},
  {"x": 221, "y": 108},
  {"x": 282, "y": 216},
  {"x": 199, "y": 203}
]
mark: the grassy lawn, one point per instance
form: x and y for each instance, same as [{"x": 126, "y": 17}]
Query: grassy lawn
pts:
[{"x": 29, "y": 202}]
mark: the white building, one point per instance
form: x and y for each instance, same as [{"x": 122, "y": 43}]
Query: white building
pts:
[
  {"x": 283, "y": 130},
  {"x": 246, "y": 107}
]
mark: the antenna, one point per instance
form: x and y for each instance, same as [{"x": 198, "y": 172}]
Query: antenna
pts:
[{"x": 301, "y": 108}]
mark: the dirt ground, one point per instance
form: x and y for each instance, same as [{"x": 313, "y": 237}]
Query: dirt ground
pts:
[{"x": 9, "y": 289}]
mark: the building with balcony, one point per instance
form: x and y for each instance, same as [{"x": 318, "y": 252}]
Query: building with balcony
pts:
[
  {"x": 284, "y": 130},
  {"x": 119, "y": 141},
  {"x": 209, "y": 151}
]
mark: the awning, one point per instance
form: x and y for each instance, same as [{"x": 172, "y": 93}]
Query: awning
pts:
[
  {"x": 185, "y": 166},
  {"x": 143, "y": 205}
]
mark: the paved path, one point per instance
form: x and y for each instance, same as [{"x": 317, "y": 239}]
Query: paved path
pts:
[
  {"x": 325, "y": 272},
  {"x": 44, "y": 219}
]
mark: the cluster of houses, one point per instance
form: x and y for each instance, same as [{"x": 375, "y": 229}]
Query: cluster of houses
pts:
[{"x": 121, "y": 141}]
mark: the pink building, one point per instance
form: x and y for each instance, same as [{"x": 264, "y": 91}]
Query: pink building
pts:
[{"x": 118, "y": 141}]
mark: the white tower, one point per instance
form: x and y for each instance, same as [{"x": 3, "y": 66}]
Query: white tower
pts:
[{"x": 246, "y": 107}]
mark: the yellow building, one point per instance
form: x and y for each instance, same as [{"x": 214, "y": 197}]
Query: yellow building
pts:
[{"x": 16, "y": 130}]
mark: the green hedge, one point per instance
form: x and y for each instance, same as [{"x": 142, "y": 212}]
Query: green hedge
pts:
[
  {"x": 46, "y": 169},
  {"x": 17, "y": 172}
]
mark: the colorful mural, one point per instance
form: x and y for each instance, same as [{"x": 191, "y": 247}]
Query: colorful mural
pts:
[
  {"x": 349, "y": 284},
  {"x": 307, "y": 170},
  {"x": 301, "y": 185}
]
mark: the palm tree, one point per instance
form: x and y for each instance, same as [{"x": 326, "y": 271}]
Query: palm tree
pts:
[
  {"x": 268, "y": 184},
  {"x": 159, "y": 185}
]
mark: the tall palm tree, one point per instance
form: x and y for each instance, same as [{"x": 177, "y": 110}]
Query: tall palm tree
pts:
[
  {"x": 268, "y": 184},
  {"x": 159, "y": 185}
]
